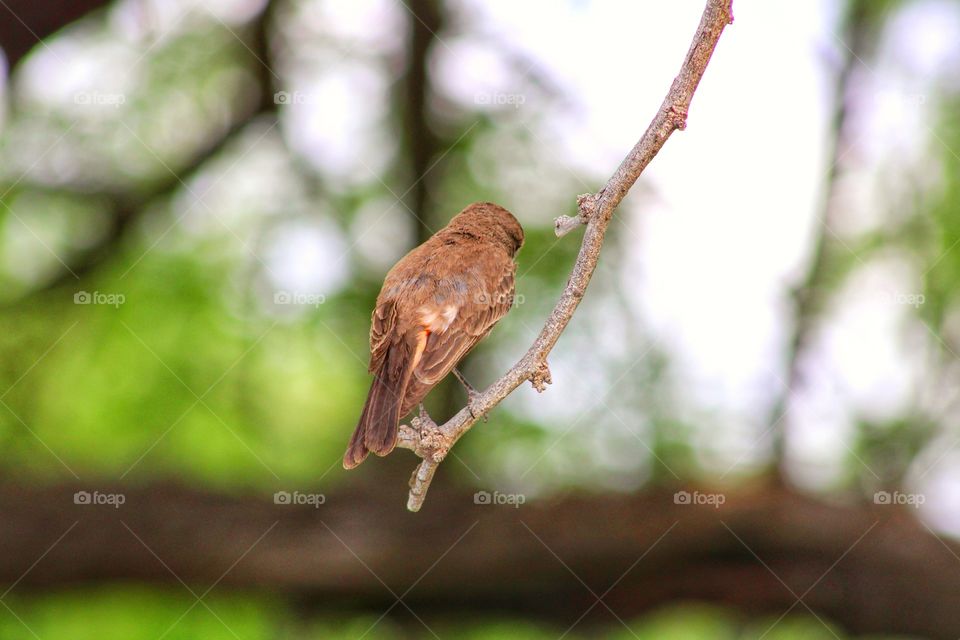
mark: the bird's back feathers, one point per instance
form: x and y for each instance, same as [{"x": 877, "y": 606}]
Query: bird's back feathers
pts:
[{"x": 436, "y": 304}]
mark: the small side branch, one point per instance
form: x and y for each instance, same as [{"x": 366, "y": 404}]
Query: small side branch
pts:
[{"x": 432, "y": 442}]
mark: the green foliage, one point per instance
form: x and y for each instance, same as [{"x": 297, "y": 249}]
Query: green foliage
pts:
[
  {"x": 940, "y": 252},
  {"x": 170, "y": 381},
  {"x": 682, "y": 622},
  {"x": 135, "y": 613},
  {"x": 888, "y": 448},
  {"x": 793, "y": 627}
]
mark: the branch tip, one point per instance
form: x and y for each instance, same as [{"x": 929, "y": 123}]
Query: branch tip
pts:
[
  {"x": 419, "y": 484},
  {"x": 565, "y": 224}
]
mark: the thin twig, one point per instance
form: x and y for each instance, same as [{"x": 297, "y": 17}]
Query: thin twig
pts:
[{"x": 432, "y": 442}]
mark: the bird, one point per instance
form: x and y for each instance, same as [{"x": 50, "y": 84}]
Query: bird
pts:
[{"x": 435, "y": 305}]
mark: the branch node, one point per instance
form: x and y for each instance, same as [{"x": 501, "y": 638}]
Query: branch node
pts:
[
  {"x": 678, "y": 116},
  {"x": 587, "y": 206},
  {"x": 541, "y": 377},
  {"x": 431, "y": 443}
]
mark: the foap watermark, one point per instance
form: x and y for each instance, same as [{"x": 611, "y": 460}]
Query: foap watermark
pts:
[
  {"x": 500, "y": 99},
  {"x": 99, "y": 297},
  {"x": 299, "y": 297},
  {"x": 697, "y": 498},
  {"x": 497, "y": 498},
  {"x": 297, "y": 498},
  {"x": 294, "y": 97},
  {"x": 900, "y": 297},
  {"x": 95, "y": 98},
  {"x": 896, "y": 497},
  {"x": 96, "y": 498},
  {"x": 509, "y": 299}
]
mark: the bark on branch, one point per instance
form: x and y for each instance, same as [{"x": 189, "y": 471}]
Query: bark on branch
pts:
[{"x": 432, "y": 442}]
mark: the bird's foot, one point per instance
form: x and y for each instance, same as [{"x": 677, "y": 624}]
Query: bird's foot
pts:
[
  {"x": 466, "y": 385},
  {"x": 473, "y": 406},
  {"x": 473, "y": 397},
  {"x": 423, "y": 422}
]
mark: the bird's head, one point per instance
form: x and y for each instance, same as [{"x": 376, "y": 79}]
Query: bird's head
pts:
[{"x": 489, "y": 220}]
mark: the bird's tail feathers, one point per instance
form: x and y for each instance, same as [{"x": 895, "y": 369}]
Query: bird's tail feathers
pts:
[{"x": 379, "y": 422}]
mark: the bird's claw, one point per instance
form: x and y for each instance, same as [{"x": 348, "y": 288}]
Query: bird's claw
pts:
[
  {"x": 472, "y": 397},
  {"x": 475, "y": 413},
  {"x": 423, "y": 420}
]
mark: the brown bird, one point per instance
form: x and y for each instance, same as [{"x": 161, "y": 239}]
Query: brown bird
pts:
[{"x": 436, "y": 304}]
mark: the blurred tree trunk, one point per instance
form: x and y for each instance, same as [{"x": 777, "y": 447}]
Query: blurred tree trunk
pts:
[
  {"x": 426, "y": 19},
  {"x": 27, "y": 22},
  {"x": 859, "y": 23},
  {"x": 127, "y": 208},
  {"x": 870, "y": 568}
]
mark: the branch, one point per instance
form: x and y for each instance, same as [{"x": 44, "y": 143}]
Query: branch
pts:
[{"x": 432, "y": 442}]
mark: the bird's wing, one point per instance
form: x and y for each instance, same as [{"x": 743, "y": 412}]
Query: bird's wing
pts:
[
  {"x": 382, "y": 325},
  {"x": 460, "y": 327}
]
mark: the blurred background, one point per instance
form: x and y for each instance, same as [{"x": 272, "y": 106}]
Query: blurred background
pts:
[{"x": 753, "y": 426}]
